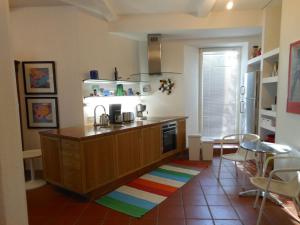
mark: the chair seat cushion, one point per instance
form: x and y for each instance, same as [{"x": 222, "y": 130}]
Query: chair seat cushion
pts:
[{"x": 276, "y": 186}]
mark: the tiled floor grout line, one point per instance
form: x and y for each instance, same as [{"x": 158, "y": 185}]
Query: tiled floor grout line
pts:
[
  {"x": 105, "y": 217},
  {"x": 181, "y": 198},
  {"x": 244, "y": 186},
  {"x": 207, "y": 204},
  {"x": 85, "y": 208},
  {"x": 219, "y": 182}
]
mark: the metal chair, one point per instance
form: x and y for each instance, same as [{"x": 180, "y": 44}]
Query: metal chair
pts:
[
  {"x": 241, "y": 155},
  {"x": 290, "y": 189}
]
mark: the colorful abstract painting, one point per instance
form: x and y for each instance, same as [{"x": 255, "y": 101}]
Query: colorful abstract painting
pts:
[
  {"x": 39, "y": 77},
  {"x": 42, "y": 112},
  {"x": 293, "y": 102}
]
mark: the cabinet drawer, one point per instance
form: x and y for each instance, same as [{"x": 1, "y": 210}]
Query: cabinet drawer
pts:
[
  {"x": 72, "y": 179},
  {"x": 70, "y": 149},
  {"x": 71, "y": 163}
]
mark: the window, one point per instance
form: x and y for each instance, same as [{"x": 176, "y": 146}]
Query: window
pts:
[{"x": 219, "y": 92}]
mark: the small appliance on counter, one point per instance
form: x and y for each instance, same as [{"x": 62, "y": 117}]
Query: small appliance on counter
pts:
[
  {"x": 128, "y": 117},
  {"x": 115, "y": 115},
  {"x": 103, "y": 119},
  {"x": 140, "y": 108}
]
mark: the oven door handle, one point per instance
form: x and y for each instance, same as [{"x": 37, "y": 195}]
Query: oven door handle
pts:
[{"x": 169, "y": 130}]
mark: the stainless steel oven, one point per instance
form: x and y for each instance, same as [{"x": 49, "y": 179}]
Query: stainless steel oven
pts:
[{"x": 169, "y": 136}]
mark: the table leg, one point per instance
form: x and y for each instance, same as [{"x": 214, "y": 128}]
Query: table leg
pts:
[
  {"x": 261, "y": 158},
  {"x": 32, "y": 172},
  {"x": 33, "y": 183}
]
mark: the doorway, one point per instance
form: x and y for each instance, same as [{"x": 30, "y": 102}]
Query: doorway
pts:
[{"x": 219, "y": 91}]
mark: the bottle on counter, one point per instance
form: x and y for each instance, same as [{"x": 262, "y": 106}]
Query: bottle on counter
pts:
[{"x": 116, "y": 74}]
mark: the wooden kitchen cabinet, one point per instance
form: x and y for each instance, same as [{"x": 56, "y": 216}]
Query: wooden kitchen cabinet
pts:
[
  {"x": 71, "y": 165},
  {"x": 128, "y": 151},
  {"x": 100, "y": 162},
  {"x": 86, "y": 160},
  {"x": 151, "y": 144},
  {"x": 181, "y": 135},
  {"x": 51, "y": 159}
]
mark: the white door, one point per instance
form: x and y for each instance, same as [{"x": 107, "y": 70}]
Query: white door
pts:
[{"x": 220, "y": 84}]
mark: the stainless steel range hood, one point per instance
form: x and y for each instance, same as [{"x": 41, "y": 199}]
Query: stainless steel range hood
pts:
[{"x": 154, "y": 54}]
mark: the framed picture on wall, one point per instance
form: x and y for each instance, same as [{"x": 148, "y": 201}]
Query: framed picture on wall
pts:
[
  {"x": 39, "y": 77},
  {"x": 42, "y": 112},
  {"x": 293, "y": 101}
]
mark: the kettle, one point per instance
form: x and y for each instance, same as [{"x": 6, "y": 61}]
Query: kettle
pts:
[{"x": 104, "y": 120}]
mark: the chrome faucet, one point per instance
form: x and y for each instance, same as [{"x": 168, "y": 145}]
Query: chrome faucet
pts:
[{"x": 95, "y": 116}]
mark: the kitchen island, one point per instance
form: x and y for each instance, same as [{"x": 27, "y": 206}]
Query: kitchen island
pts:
[{"x": 89, "y": 160}]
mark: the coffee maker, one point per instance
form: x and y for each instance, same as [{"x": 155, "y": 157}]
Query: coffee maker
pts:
[
  {"x": 140, "y": 108},
  {"x": 115, "y": 115}
]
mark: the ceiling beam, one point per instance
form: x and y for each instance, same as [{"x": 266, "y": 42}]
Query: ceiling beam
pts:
[
  {"x": 205, "y": 7},
  {"x": 98, "y": 7}
]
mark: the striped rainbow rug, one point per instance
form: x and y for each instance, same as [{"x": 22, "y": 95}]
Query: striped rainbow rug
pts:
[{"x": 141, "y": 195}]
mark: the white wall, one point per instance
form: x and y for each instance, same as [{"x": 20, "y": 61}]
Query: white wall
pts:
[
  {"x": 191, "y": 86},
  {"x": 183, "y": 56},
  {"x": 13, "y": 208},
  {"x": 161, "y": 104},
  {"x": 41, "y": 33},
  {"x": 288, "y": 124},
  {"x": 77, "y": 42}
]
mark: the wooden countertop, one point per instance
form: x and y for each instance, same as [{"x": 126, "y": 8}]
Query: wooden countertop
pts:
[{"x": 79, "y": 133}]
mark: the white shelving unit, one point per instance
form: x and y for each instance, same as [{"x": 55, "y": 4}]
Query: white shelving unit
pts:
[
  {"x": 269, "y": 80},
  {"x": 255, "y": 61},
  {"x": 269, "y": 113},
  {"x": 269, "y": 128},
  {"x": 267, "y": 64},
  {"x": 272, "y": 55}
]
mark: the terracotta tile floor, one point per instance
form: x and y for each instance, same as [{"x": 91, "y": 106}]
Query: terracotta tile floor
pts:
[{"x": 203, "y": 201}]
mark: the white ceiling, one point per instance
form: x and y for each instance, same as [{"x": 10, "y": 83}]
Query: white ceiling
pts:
[
  {"x": 26, "y": 3},
  {"x": 242, "y": 4},
  {"x": 111, "y": 9},
  {"x": 199, "y": 34},
  {"x": 127, "y": 7}
]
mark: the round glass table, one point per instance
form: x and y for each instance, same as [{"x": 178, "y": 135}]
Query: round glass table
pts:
[{"x": 262, "y": 149}]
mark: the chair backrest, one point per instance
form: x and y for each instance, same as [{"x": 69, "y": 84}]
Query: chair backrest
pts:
[
  {"x": 240, "y": 138},
  {"x": 294, "y": 185},
  {"x": 248, "y": 138}
]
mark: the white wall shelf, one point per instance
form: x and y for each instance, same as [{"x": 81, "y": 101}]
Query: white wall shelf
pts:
[
  {"x": 268, "y": 113},
  {"x": 272, "y": 55},
  {"x": 97, "y": 81},
  {"x": 255, "y": 61},
  {"x": 269, "y": 128},
  {"x": 268, "y": 80}
]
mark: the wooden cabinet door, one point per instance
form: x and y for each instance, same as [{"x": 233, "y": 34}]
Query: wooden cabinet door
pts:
[
  {"x": 71, "y": 165},
  {"x": 51, "y": 159},
  {"x": 151, "y": 144},
  {"x": 181, "y": 135},
  {"x": 128, "y": 151},
  {"x": 100, "y": 163}
]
